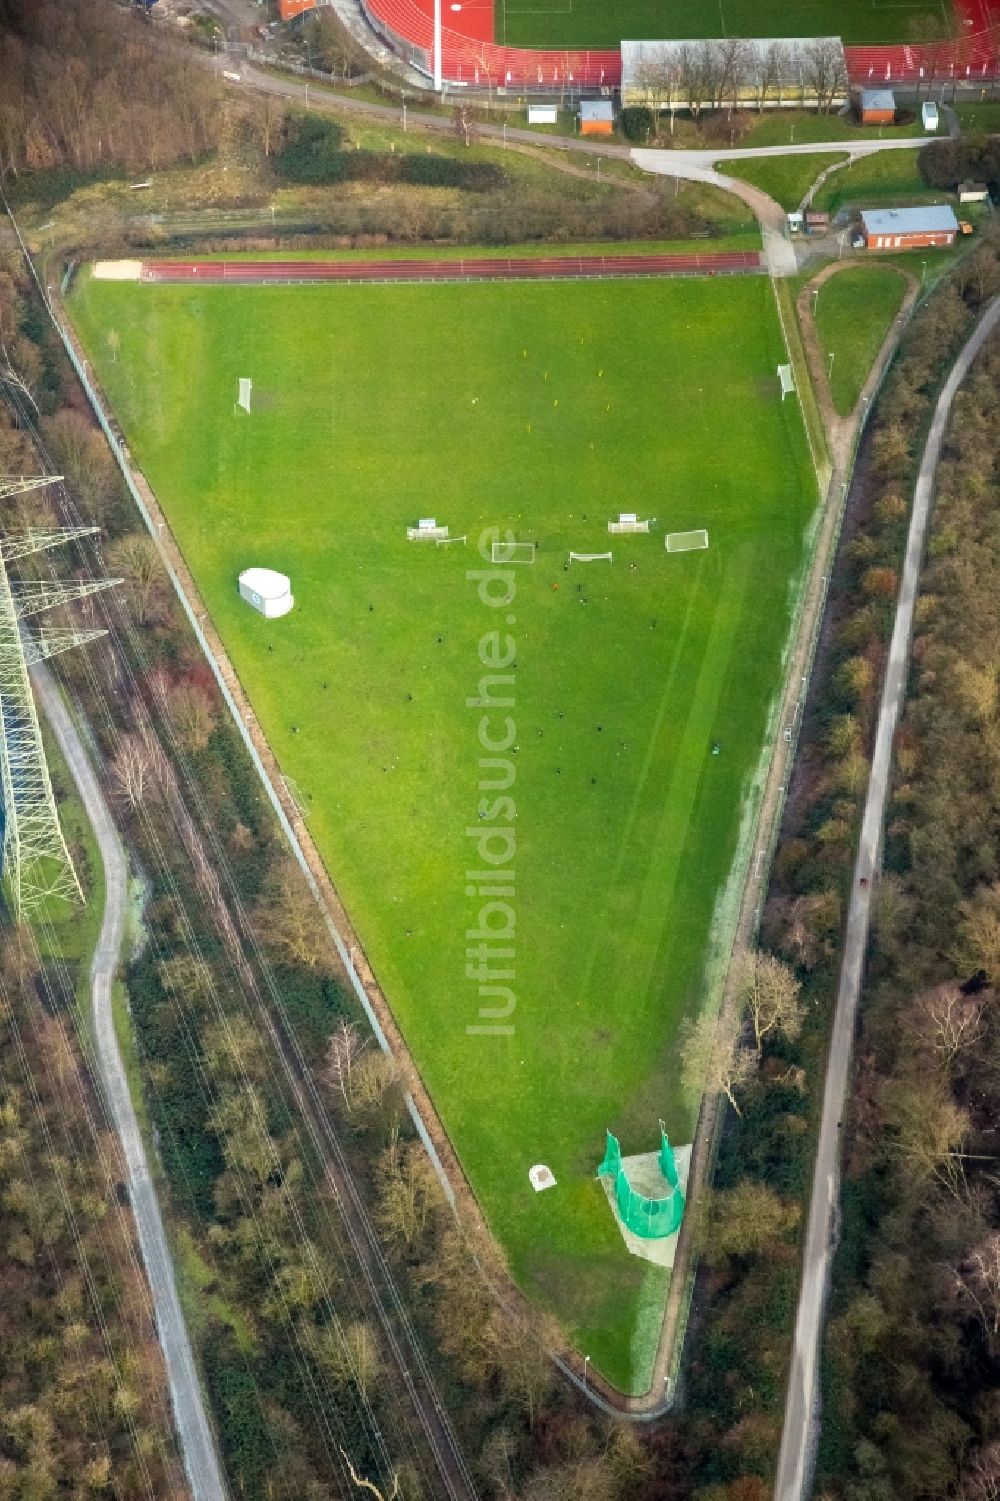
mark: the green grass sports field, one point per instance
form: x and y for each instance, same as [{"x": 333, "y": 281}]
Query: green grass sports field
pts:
[
  {"x": 605, "y": 23},
  {"x": 853, "y": 311},
  {"x": 545, "y": 409}
]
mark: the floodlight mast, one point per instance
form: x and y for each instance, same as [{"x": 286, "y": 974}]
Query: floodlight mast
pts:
[{"x": 437, "y": 47}]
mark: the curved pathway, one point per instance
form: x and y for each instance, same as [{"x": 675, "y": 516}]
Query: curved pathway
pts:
[
  {"x": 798, "y": 1440},
  {"x": 697, "y": 166},
  {"x": 194, "y": 1432}
]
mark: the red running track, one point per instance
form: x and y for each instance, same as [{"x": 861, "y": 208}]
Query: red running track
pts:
[
  {"x": 470, "y": 56},
  {"x": 503, "y": 268}
]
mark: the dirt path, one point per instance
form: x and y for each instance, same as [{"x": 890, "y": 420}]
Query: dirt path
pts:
[{"x": 842, "y": 431}]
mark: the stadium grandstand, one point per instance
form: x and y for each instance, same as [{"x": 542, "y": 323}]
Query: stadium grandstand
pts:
[{"x": 471, "y": 57}]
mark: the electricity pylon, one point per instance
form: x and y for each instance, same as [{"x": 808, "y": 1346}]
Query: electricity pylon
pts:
[{"x": 34, "y": 857}]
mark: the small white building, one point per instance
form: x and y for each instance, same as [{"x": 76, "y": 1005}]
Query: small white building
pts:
[
  {"x": 268, "y": 592},
  {"x": 929, "y": 115}
]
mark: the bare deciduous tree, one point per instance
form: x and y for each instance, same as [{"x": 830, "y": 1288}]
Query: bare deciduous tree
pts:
[
  {"x": 771, "y": 995},
  {"x": 136, "y": 557},
  {"x": 292, "y": 920},
  {"x": 374, "y": 1075},
  {"x": 713, "y": 1059},
  {"x": 745, "y": 1218},
  {"x": 132, "y": 771},
  {"x": 951, "y": 1022},
  {"x": 192, "y": 713},
  {"x": 733, "y": 62},
  {"x": 824, "y": 71},
  {"x": 268, "y": 116},
  {"x": 343, "y": 1051},
  {"x": 697, "y": 74},
  {"x": 975, "y": 1284},
  {"x": 929, "y": 1130},
  {"x": 408, "y": 1194},
  {"x": 981, "y": 1476},
  {"x": 767, "y": 67},
  {"x": 978, "y": 942}
]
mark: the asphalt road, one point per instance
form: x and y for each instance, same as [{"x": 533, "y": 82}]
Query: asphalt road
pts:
[
  {"x": 194, "y": 1432},
  {"x": 287, "y": 86},
  {"x": 858, "y": 146},
  {"x": 798, "y": 1440}
]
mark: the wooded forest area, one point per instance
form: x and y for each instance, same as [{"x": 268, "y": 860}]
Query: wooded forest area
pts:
[{"x": 82, "y": 87}]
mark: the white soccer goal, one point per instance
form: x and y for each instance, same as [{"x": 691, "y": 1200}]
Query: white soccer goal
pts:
[
  {"x": 427, "y": 530},
  {"x": 686, "y": 541},
  {"x": 246, "y": 392},
  {"x": 787, "y": 381},
  {"x": 447, "y": 541},
  {"x": 627, "y": 521},
  {"x": 591, "y": 557},
  {"x": 513, "y": 552}
]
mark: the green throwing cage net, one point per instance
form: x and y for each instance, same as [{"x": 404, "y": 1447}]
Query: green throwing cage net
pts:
[{"x": 649, "y": 1218}]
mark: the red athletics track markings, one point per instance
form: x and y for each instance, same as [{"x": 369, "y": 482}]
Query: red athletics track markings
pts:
[{"x": 503, "y": 268}]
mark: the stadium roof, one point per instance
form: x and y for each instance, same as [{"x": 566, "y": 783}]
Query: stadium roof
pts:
[
  {"x": 931, "y": 218},
  {"x": 790, "y": 49},
  {"x": 758, "y": 68}
]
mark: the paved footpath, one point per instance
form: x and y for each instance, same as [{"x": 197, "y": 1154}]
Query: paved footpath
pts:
[
  {"x": 796, "y": 1459},
  {"x": 194, "y": 1431}
]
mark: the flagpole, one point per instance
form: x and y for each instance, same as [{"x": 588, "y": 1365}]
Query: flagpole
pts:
[{"x": 437, "y": 46}]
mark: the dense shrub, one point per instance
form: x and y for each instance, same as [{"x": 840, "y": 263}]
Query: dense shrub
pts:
[
  {"x": 314, "y": 152},
  {"x": 638, "y": 122},
  {"x": 944, "y": 164},
  {"x": 445, "y": 172}
]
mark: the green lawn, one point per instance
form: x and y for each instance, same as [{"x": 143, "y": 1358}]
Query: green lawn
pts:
[
  {"x": 853, "y": 311},
  {"x": 545, "y": 408},
  {"x": 788, "y": 127},
  {"x": 978, "y": 119},
  {"x": 786, "y": 178},
  {"x": 598, "y": 23},
  {"x": 886, "y": 177}
]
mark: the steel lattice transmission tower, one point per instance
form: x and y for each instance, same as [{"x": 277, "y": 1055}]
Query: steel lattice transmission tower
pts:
[{"x": 34, "y": 858}]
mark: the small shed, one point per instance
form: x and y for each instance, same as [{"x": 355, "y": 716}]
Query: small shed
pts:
[
  {"x": 543, "y": 114},
  {"x": 597, "y": 117},
  {"x": 909, "y": 228},
  {"x": 929, "y": 117},
  {"x": 266, "y": 591},
  {"x": 973, "y": 192},
  {"x": 817, "y": 223},
  {"x": 877, "y": 106}
]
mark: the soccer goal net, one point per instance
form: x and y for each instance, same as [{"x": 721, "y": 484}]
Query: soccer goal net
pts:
[
  {"x": 513, "y": 552},
  {"x": 686, "y": 541},
  {"x": 427, "y": 530},
  {"x": 245, "y": 393},
  {"x": 591, "y": 557},
  {"x": 627, "y": 522}
]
